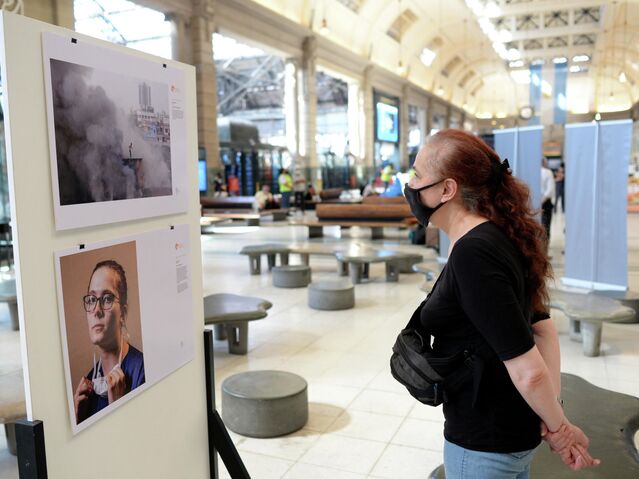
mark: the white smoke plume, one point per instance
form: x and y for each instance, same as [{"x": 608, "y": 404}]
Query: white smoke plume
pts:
[{"x": 92, "y": 139}]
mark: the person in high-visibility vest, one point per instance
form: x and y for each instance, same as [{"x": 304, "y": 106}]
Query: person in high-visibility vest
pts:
[
  {"x": 387, "y": 175},
  {"x": 286, "y": 186}
]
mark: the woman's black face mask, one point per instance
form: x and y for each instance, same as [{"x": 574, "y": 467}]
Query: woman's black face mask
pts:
[{"x": 419, "y": 209}]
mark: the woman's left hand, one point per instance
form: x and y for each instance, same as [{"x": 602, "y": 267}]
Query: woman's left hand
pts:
[{"x": 117, "y": 384}]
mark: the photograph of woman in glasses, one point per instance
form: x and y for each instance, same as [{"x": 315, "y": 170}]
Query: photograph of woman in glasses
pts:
[{"x": 118, "y": 367}]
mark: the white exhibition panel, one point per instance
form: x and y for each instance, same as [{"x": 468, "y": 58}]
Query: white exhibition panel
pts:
[
  {"x": 92, "y": 79},
  {"x": 596, "y": 156},
  {"x": 161, "y": 432}
]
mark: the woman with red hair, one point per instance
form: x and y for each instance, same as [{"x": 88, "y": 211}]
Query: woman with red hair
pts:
[{"x": 491, "y": 299}]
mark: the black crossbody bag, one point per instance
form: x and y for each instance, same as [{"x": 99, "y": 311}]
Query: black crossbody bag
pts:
[{"x": 429, "y": 378}]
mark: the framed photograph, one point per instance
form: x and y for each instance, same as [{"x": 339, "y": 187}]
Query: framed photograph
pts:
[
  {"x": 125, "y": 316},
  {"x": 116, "y": 133}
]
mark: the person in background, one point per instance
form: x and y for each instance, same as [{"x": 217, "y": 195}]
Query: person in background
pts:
[
  {"x": 264, "y": 199},
  {"x": 299, "y": 186},
  {"x": 387, "y": 175},
  {"x": 218, "y": 185},
  {"x": 560, "y": 177},
  {"x": 286, "y": 186},
  {"x": 547, "y": 194},
  {"x": 491, "y": 299},
  {"x": 119, "y": 367}
]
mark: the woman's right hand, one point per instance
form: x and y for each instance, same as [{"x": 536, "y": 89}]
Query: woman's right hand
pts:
[
  {"x": 571, "y": 444},
  {"x": 82, "y": 392}
]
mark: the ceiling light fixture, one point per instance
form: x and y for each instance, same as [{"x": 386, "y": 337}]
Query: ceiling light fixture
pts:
[
  {"x": 622, "y": 77},
  {"x": 580, "y": 58},
  {"x": 559, "y": 60},
  {"x": 575, "y": 68},
  {"x": 427, "y": 56},
  {"x": 516, "y": 64},
  {"x": 324, "y": 27},
  {"x": 598, "y": 116}
]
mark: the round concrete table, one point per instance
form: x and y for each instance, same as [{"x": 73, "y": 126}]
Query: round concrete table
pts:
[
  {"x": 358, "y": 262},
  {"x": 255, "y": 252}
]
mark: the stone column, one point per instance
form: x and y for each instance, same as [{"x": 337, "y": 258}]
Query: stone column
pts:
[
  {"x": 291, "y": 108},
  {"x": 429, "y": 117},
  {"x": 356, "y": 122},
  {"x": 403, "y": 128},
  {"x": 369, "y": 121},
  {"x": 448, "y": 114},
  {"x": 180, "y": 38},
  {"x": 308, "y": 108},
  {"x": 202, "y": 28}
]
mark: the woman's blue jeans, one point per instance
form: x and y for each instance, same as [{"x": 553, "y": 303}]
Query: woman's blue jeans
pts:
[{"x": 461, "y": 463}]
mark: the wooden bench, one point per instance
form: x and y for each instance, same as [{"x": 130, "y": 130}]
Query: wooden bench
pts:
[
  {"x": 363, "y": 211},
  {"x": 279, "y": 214},
  {"x": 609, "y": 419},
  {"x": 230, "y": 314},
  {"x": 316, "y": 227},
  {"x": 227, "y": 202},
  {"x": 251, "y": 217},
  {"x": 12, "y": 404},
  {"x": 587, "y": 313}
]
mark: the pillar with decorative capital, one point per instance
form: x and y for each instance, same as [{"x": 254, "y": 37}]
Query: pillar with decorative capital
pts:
[
  {"x": 403, "y": 128},
  {"x": 180, "y": 37},
  {"x": 201, "y": 29},
  {"x": 369, "y": 121},
  {"x": 308, "y": 108}
]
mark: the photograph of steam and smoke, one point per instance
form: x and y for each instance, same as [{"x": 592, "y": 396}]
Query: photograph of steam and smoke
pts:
[{"x": 112, "y": 135}]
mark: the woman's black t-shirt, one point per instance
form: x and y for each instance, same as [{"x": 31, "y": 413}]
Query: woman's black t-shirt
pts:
[{"x": 480, "y": 301}]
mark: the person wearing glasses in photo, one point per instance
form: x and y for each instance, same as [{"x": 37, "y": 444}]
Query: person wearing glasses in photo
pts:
[{"x": 120, "y": 366}]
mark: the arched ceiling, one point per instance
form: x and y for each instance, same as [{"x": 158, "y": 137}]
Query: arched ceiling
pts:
[{"x": 394, "y": 33}]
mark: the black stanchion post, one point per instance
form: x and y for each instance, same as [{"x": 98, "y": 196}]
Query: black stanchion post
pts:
[
  {"x": 32, "y": 459},
  {"x": 219, "y": 439}
]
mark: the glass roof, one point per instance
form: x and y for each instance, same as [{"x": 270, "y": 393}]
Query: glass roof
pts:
[{"x": 125, "y": 23}]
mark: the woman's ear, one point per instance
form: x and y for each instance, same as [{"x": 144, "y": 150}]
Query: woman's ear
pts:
[{"x": 450, "y": 189}]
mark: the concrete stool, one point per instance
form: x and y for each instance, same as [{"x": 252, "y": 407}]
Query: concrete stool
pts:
[
  {"x": 296, "y": 276},
  {"x": 255, "y": 252},
  {"x": 230, "y": 314},
  {"x": 8, "y": 295},
  {"x": 406, "y": 262},
  {"x": 264, "y": 403},
  {"x": 627, "y": 298},
  {"x": 331, "y": 295},
  {"x": 587, "y": 313},
  {"x": 12, "y": 405}
]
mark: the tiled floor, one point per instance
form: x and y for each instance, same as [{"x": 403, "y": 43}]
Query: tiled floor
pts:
[{"x": 362, "y": 423}]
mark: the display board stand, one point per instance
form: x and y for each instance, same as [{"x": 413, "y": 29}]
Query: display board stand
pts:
[
  {"x": 597, "y": 157},
  {"x": 161, "y": 432}
]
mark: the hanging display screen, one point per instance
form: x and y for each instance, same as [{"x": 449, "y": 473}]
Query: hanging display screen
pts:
[{"x": 387, "y": 122}]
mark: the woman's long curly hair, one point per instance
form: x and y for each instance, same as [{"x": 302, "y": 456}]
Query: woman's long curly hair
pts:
[{"x": 495, "y": 194}]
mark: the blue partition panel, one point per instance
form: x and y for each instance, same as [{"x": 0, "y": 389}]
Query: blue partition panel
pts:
[
  {"x": 596, "y": 156},
  {"x": 612, "y": 185},
  {"x": 529, "y": 153},
  {"x": 580, "y": 148}
]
